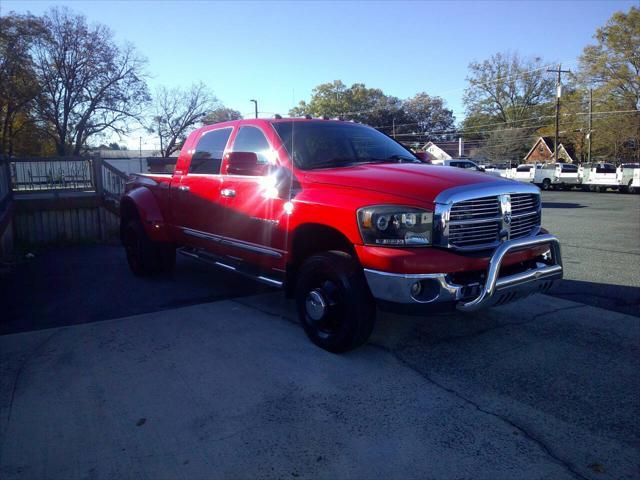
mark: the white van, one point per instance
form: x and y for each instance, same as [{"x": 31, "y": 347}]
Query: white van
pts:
[
  {"x": 597, "y": 177},
  {"x": 556, "y": 175},
  {"x": 628, "y": 175}
]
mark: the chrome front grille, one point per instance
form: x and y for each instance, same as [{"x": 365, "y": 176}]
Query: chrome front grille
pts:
[
  {"x": 487, "y": 207},
  {"x": 483, "y": 222},
  {"x": 524, "y": 203}
]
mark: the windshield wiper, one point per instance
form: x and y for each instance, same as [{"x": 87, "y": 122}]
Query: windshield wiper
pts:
[
  {"x": 333, "y": 163},
  {"x": 394, "y": 158}
]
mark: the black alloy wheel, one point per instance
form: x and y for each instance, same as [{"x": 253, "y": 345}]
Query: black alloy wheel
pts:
[{"x": 334, "y": 303}]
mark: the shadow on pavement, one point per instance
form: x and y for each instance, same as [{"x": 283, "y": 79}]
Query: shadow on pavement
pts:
[
  {"x": 619, "y": 298},
  {"x": 82, "y": 284}
]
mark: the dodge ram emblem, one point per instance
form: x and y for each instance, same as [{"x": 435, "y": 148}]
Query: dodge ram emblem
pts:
[{"x": 505, "y": 210}]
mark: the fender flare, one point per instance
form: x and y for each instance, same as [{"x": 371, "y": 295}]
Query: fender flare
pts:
[{"x": 144, "y": 203}]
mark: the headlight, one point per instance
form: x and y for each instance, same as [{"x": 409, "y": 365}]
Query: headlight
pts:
[{"x": 395, "y": 226}]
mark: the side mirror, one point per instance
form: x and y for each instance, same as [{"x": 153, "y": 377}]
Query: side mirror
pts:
[{"x": 245, "y": 163}]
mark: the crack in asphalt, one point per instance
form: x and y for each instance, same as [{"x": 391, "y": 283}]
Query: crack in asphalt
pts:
[
  {"x": 568, "y": 466},
  {"x": 528, "y": 435},
  {"x": 29, "y": 357},
  {"x": 455, "y": 338}
]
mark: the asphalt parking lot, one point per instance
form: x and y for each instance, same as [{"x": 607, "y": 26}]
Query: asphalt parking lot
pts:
[{"x": 205, "y": 375}]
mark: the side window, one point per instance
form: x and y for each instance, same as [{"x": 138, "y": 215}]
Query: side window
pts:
[
  {"x": 251, "y": 139},
  {"x": 208, "y": 155},
  {"x": 455, "y": 164},
  {"x": 569, "y": 168}
]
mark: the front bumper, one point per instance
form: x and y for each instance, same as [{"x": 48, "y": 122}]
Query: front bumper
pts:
[{"x": 492, "y": 289}]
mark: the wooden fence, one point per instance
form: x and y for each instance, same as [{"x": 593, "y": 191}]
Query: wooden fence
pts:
[{"x": 6, "y": 209}]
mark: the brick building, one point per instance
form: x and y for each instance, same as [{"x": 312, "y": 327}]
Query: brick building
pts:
[{"x": 542, "y": 152}]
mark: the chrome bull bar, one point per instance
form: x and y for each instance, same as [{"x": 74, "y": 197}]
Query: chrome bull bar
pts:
[{"x": 494, "y": 285}]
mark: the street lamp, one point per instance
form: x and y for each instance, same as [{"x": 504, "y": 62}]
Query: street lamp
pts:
[{"x": 256, "y": 106}]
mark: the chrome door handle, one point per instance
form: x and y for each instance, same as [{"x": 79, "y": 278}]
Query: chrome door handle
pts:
[
  {"x": 183, "y": 188},
  {"x": 228, "y": 192}
]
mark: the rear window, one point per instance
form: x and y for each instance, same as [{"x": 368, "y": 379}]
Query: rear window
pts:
[
  {"x": 208, "y": 155},
  {"x": 605, "y": 168},
  {"x": 524, "y": 168}
]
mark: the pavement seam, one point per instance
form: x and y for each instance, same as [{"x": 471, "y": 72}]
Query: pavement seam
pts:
[
  {"x": 30, "y": 356},
  {"x": 528, "y": 435}
]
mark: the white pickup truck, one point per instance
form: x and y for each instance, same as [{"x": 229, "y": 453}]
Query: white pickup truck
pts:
[
  {"x": 556, "y": 175},
  {"x": 525, "y": 172},
  {"x": 628, "y": 175},
  {"x": 598, "y": 177}
]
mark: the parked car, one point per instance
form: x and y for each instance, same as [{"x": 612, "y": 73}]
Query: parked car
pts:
[
  {"x": 341, "y": 217},
  {"x": 628, "y": 176},
  {"x": 598, "y": 177},
  {"x": 556, "y": 175},
  {"x": 467, "y": 164}
]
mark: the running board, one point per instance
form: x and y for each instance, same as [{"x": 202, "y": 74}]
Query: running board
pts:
[{"x": 217, "y": 262}]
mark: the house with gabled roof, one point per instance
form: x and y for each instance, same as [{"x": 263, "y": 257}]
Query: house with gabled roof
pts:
[{"x": 542, "y": 152}]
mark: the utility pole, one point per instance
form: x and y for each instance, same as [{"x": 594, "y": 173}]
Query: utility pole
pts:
[
  {"x": 590, "y": 131},
  {"x": 255, "y": 102},
  {"x": 559, "y": 71},
  {"x": 394, "y": 128}
]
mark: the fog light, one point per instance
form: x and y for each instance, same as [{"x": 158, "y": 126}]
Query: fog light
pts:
[{"x": 416, "y": 289}]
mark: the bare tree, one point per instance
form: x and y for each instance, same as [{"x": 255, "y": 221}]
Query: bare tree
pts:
[
  {"x": 89, "y": 84},
  {"x": 177, "y": 111}
]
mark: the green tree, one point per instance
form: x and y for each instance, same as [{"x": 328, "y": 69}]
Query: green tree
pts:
[
  {"x": 428, "y": 117},
  {"x": 221, "y": 114},
  {"x": 19, "y": 85},
  {"x": 612, "y": 68},
  {"x": 409, "y": 119},
  {"x": 509, "y": 89},
  {"x": 357, "y": 102}
]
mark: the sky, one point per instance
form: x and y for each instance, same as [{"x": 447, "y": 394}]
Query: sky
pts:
[{"x": 276, "y": 52}]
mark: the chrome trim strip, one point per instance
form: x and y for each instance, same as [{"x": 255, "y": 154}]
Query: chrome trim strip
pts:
[
  {"x": 233, "y": 243},
  {"x": 211, "y": 261}
]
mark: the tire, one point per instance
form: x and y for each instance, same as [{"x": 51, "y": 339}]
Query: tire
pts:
[
  {"x": 145, "y": 257},
  {"x": 631, "y": 189},
  {"x": 546, "y": 184},
  {"x": 334, "y": 303}
]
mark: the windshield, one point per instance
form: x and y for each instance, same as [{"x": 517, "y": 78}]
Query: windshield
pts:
[{"x": 326, "y": 144}]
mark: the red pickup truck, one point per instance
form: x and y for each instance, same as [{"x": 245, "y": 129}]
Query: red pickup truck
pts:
[{"x": 343, "y": 218}]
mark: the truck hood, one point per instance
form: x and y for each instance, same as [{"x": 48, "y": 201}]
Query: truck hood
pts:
[{"x": 416, "y": 181}]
